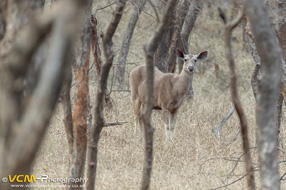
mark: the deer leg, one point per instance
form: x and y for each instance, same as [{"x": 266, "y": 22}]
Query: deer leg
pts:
[
  {"x": 166, "y": 122},
  {"x": 172, "y": 122},
  {"x": 141, "y": 123},
  {"x": 137, "y": 107}
]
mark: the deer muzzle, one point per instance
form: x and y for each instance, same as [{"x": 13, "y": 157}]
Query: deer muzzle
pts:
[{"x": 191, "y": 68}]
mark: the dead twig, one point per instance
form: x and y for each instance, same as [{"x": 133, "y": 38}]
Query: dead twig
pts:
[
  {"x": 115, "y": 123},
  {"x": 155, "y": 10},
  {"x": 281, "y": 178},
  {"x": 101, "y": 8}
]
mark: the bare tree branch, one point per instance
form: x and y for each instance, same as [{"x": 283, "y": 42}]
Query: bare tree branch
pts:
[
  {"x": 102, "y": 87},
  {"x": 15, "y": 65},
  {"x": 104, "y": 7},
  {"x": 114, "y": 123},
  {"x": 181, "y": 12},
  {"x": 126, "y": 43},
  {"x": 45, "y": 95},
  {"x": 148, "y": 129},
  {"x": 81, "y": 109},
  {"x": 220, "y": 125},
  {"x": 96, "y": 51},
  {"x": 68, "y": 110},
  {"x": 155, "y": 10},
  {"x": 12, "y": 73},
  {"x": 29, "y": 129},
  {"x": 189, "y": 23},
  {"x": 229, "y": 26}
]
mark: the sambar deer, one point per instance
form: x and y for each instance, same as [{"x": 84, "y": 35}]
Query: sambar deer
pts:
[{"x": 169, "y": 90}]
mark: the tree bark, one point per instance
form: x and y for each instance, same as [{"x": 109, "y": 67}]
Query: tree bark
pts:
[
  {"x": 256, "y": 58},
  {"x": 181, "y": 12},
  {"x": 264, "y": 37},
  {"x": 282, "y": 41},
  {"x": 120, "y": 74},
  {"x": 80, "y": 113},
  {"x": 33, "y": 73},
  {"x": 189, "y": 23},
  {"x": 27, "y": 130},
  {"x": 148, "y": 129},
  {"x": 96, "y": 52},
  {"x": 161, "y": 53},
  {"x": 3, "y": 8},
  {"x": 102, "y": 86},
  {"x": 282, "y": 26},
  {"x": 66, "y": 102},
  {"x": 15, "y": 56}
]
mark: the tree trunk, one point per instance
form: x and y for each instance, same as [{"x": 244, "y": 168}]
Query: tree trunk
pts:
[
  {"x": 80, "y": 113},
  {"x": 181, "y": 12},
  {"x": 3, "y": 15},
  {"x": 189, "y": 23},
  {"x": 102, "y": 86},
  {"x": 66, "y": 101},
  {"x": 15, "y": 61},
  {"x": 161, "y": 53},
  {"x": 256, "y": 58},
  {"x": 148, "y": 129},
  {"x": 27, "y": 131},
  {"x": 245, "y": 37},
  {"x": 193, "y": 12},
  {"x": 282, "y": 41},
  {"x": 96, "y": 52},
  {"x": 120, "y": 74},
  {"x": 37, "y": 62},
  {"x": 236, "y": 101},
  {"x": 264, "y": 37},
  {"x": 282, "y": 26}
]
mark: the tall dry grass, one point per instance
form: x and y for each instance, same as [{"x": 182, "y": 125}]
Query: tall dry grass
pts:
[{"x": 195, "y": 159}]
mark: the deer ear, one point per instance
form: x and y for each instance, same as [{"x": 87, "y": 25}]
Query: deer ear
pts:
[
  {"x": 203, "y": 55},
  {"x": 180, "y": 54}
]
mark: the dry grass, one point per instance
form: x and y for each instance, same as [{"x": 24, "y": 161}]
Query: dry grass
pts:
[{"x": 195, "y": 159}]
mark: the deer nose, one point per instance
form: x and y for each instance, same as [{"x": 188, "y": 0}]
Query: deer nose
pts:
[{"x": 191, "y": 68}]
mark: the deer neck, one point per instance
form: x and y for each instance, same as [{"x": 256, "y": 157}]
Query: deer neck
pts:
[{"x": 184, "y": 79}]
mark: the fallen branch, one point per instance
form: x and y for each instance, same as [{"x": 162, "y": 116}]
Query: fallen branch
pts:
[
  {"x": 115, "y": 123},
  {"x": 218, "y": 129}
]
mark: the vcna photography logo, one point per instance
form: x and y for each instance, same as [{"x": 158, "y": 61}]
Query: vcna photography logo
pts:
[
  {"x": 43, "y": 182},
  {"x": 19, "y": 178}
]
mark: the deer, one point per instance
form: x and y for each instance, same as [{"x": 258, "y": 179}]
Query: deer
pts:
[{"x": 169, "y": 93}]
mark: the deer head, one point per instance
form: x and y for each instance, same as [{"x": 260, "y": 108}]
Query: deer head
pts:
[{"x": 191, "y": 60}]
